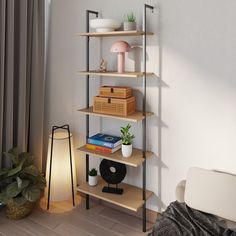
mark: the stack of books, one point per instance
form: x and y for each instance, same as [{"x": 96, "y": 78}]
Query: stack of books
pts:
[{"x": 104, "y": 143}]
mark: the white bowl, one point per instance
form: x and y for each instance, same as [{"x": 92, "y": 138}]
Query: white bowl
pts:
[{"x": 105, "y": 25}]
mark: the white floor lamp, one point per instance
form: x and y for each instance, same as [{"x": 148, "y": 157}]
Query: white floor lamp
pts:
[{"x": 60, "y": 173}]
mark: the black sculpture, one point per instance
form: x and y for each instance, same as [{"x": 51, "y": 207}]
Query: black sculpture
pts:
[{"x": 113, "y": 173}]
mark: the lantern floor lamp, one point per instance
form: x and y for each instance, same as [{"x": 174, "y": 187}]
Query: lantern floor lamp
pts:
[{"x": 60, "y": 174}]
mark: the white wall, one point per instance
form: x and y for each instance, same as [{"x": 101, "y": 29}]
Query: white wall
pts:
[{"x": 194, "y": 92}]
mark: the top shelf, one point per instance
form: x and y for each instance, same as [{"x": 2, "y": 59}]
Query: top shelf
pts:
[
  {"x": 115, "y": 33},
  {"x": 134, "y": 74}
]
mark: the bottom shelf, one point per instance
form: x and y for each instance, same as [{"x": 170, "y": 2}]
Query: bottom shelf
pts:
[{"x": 130, "y": 199}]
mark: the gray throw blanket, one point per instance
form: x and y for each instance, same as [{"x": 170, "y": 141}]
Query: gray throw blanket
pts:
[{"x": 181, "y": 220}]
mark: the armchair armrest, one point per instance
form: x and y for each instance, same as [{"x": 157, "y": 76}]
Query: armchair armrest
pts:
[{"x": 179, "y": 191}]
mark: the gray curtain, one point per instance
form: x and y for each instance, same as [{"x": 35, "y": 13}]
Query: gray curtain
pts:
[{"x": 22, "y": 75}]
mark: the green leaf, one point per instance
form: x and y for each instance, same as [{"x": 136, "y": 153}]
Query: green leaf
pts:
[
  {"x": 31, "y": 193},
  {"x": 12, "y": 190},
  {"x": 25, "y": 183},
  {"x": 13, "y": 154},
  {"x": 17, "y": 169},
  {"x": 20, "y": 200},
  {"x": 3, "y": 197},
  {"x": 31, "y": 170},
  {"x": 19, "y": 182},
  {"x": 127, "y": 137},
  {"x": 31, "y": 178},
  {"x": 29, "y": 159},
  {"x": 14, "y": 151},
  {"x": 40, "y": 182},
  {"x": 3, "y": 171}
]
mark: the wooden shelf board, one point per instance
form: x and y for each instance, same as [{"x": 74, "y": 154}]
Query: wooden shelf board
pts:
[
  {"x": 115, "y": 33},
  {"x": 130, "y": 199},
  {"x": 136, "y": 117},
  {"x": 127, "y": 74},
  {"x": 135, "y": 160}
]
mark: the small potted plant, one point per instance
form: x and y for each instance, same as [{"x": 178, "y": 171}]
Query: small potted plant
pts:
[
  {"x": 93, "y": 177},
  {"x": 21, "y": 185},
  {"x": 130, "y": 22},
  {"x": 127, "y": 139}
]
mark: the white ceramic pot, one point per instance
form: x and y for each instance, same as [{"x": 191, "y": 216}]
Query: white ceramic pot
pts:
[
  {"x": 126, "y": 150},
  {"x": 105, "y": 25},
  {"x": 93, "y": 180},
  {"x": 129, "y": 26}
]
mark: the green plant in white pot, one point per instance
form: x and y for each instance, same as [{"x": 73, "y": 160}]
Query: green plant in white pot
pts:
[
  {"x": 21, "y": 185},
  {"x": 130, "y": 22},
  {"x": 93, "y": 177},
  {"x": 127, "y": 139}
]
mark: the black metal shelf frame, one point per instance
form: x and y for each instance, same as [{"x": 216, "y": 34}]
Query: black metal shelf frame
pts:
[{"x": 144, "y": 122}]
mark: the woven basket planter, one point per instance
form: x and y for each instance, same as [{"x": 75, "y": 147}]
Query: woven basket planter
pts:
[{"x": 16, "y": 212}]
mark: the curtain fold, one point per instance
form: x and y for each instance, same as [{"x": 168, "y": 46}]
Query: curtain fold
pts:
[{"x": 22, "y": 76}]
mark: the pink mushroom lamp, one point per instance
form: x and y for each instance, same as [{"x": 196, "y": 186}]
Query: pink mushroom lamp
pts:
[{"x": 120, "y": 47}]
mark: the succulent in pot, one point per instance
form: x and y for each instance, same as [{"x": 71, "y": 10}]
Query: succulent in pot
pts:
[
  {"x": 130, "y": 22},
  {"x": 93, "y": 177},
  {"x": 21, "y": 185},
  {"x": 127, "y": 139}
]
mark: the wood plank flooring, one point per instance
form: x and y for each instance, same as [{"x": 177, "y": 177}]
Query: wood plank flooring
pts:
[{"x": 98, "y": 221}]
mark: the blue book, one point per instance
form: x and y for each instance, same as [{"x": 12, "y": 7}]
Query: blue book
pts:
[{"x": 105, "y": 140}]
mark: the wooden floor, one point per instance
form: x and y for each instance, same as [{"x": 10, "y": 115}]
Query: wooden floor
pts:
[{"x": 99, "y": 220}]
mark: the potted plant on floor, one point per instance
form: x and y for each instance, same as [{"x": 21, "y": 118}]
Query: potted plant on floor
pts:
[
  {"x": 127, "y": 139},
  {"x": 93, "y": 177},
  {"x": 21, "y": 185},
  {"x": 130, "y": 22}
]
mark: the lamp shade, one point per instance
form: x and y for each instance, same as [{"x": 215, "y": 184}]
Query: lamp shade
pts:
[
  {"x": 60, "y": 187},
  {"x": 120, "y": 46}
]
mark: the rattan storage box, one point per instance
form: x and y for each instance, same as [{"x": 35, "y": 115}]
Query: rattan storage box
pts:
[
  {"x": 114, "y": 106},
  {"x": 115, "y": 92}
]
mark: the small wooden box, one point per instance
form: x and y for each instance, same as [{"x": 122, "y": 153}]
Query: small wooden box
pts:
[
  {"x": 114, "y": 106},
  {"x": 115, "y": 92}
]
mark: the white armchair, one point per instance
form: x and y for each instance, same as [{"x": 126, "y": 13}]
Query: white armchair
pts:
[{"x": 212, "y": 192}]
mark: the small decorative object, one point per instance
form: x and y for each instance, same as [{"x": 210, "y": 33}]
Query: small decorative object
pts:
[
  {"x": 127, "y": 139},
  {"x": 93, "y": 177},
  {"x": 60, "y": 171},
  {"x": 105, "y": 25},
  {"x": 120, "y": 48},
  {"x": 22, "y": 185},
  {"x": 113, "y": 173},
  {"x": 130, "y": 22},
  {"x": 103, "y": 65}
]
